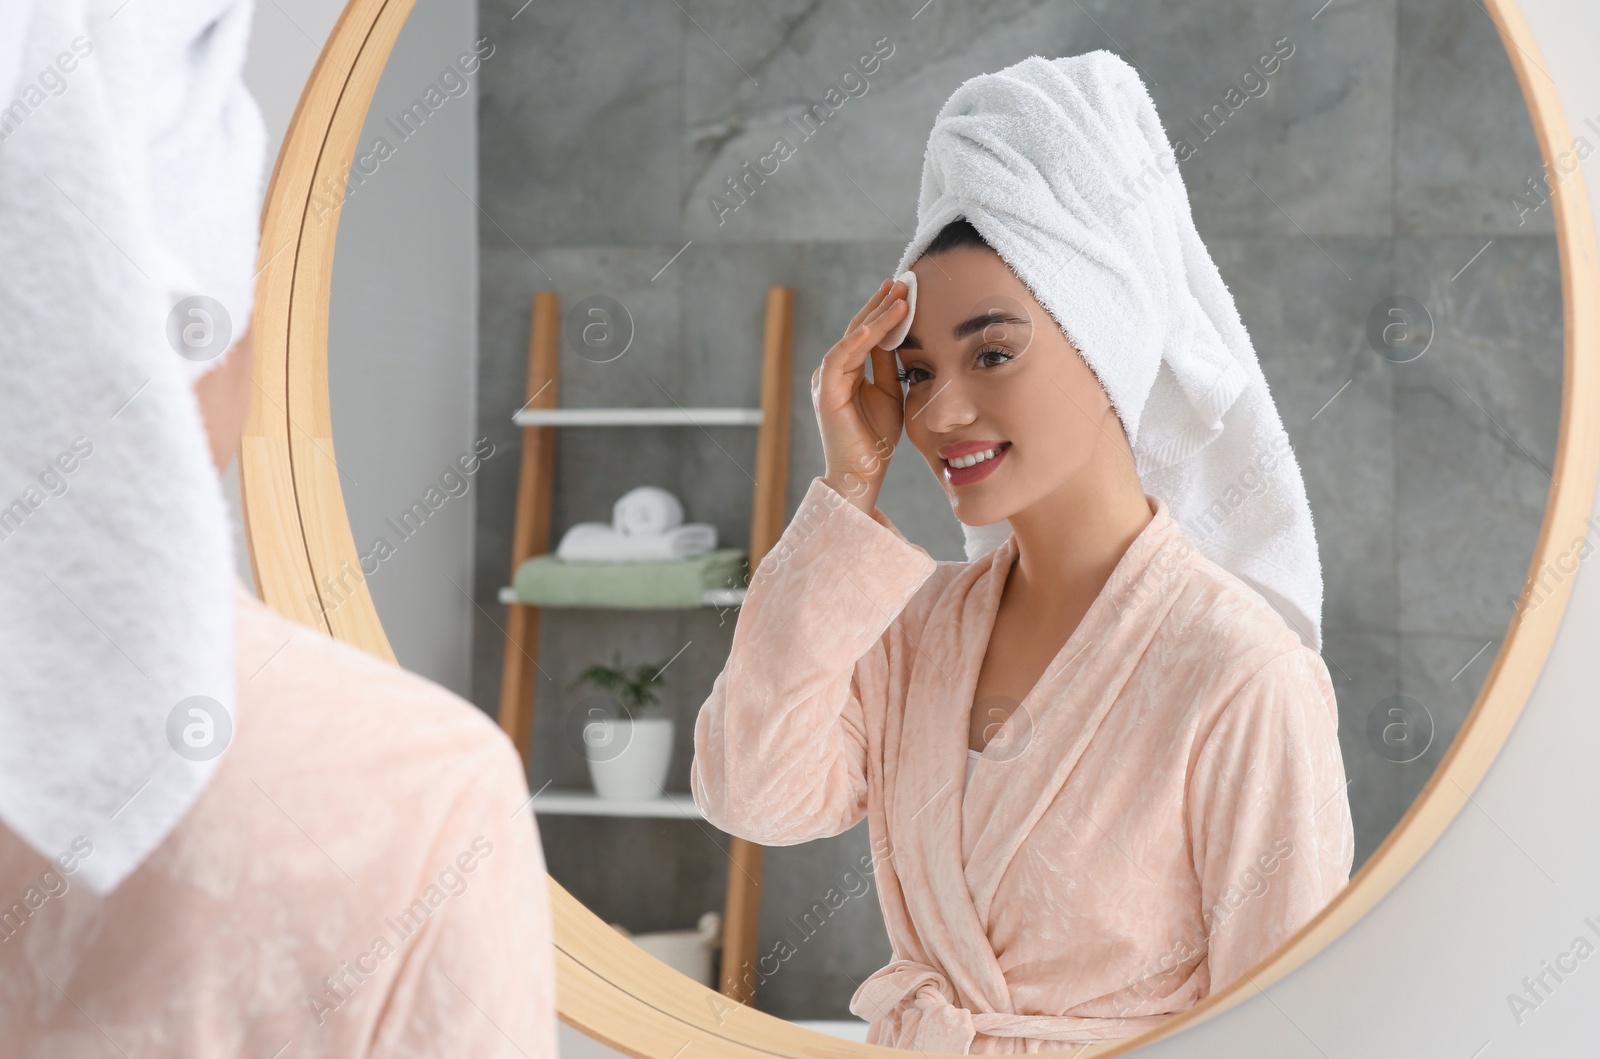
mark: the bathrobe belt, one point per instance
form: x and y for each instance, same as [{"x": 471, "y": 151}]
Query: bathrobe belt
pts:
[{"x": 930, "y": 1020}]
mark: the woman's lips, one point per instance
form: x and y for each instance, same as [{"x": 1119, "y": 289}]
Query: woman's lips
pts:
[{"x": 958, "y": 476}]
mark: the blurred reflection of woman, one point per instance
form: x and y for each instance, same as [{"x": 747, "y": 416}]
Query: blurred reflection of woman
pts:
[
  {"x": 1154, "y": 797},
  {"x": 222, "y": 832}
]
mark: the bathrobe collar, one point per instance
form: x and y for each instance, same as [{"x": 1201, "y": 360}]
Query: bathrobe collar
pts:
[{"x": 1028, "y": 760}]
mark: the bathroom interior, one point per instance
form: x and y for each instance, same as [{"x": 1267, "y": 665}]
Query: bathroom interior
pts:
[{"x": 603, "y": 152}]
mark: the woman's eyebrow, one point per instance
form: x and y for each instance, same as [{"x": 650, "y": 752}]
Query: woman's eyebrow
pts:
[{"x": 981, "y": 322}]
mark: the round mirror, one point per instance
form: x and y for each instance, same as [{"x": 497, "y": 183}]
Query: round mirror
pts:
[{"x": 587, "y": 263}]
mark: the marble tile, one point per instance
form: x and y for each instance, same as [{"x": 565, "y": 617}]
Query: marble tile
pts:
[
  {"x": 687, "y": 877},
  {"x": 1316, "y": 135},
  {"x": 1498, "y": 319},
  {"x": 1475, "y": 430},
  {"x": 1364, "y": 669},
  {"x": 1469, "y": 518},
  {"x": 1465, "y": 145},
  {"x": 1444, "y": 674},
  {"x": 1318, "y": 142},
  {"x": 811, "y": 995},
  {"x": 820, "y": 916},
  {"x": 1334, "y": 395},
  {"x": 753, "y": 73},
  {"x": 579, "y": 121}
]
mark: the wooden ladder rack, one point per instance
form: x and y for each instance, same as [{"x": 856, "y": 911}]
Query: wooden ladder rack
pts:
[{"x": 539, "y": 418}]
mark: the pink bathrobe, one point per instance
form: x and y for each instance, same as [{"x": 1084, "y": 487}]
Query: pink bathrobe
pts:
[
  {"x": 1164, "y": 808},
  {"x": 360, "y": 880}
]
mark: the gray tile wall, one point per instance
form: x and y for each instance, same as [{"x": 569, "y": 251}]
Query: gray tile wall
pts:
[{"x": 1382, "y": 160}]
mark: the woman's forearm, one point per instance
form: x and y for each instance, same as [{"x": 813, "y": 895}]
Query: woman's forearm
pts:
[{"x": 781, "y": 742}]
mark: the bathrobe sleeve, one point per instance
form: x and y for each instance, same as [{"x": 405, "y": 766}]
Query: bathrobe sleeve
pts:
[
  {"x": 1269, "y": 817},
  {"x": 780, "y": 746}
]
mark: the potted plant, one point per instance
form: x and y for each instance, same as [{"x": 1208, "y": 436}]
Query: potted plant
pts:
[{"x": 629, "y": 754}]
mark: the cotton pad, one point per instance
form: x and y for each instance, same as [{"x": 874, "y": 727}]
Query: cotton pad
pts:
[{"x": 897, "y": 334}]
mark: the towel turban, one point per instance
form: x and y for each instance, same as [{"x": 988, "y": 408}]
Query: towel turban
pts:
[{"x": 1063, "y": 167}]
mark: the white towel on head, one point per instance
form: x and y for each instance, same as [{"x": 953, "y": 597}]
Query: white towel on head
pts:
[
  {"x": 1063, "y": 167},
  {"x": 131, "y": 180},
  {"x": 645, "y": 511}
]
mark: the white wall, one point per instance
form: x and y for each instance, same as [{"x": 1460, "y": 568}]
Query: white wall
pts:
[
  {"x": 1508, "y": 886},
  {"x": 402, "y": 328}
]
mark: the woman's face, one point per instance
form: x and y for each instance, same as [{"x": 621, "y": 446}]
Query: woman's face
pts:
[{"x": 988, "y": 368}]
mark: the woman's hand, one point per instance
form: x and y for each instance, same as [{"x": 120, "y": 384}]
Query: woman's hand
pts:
[{"x": 861, "y": 420}]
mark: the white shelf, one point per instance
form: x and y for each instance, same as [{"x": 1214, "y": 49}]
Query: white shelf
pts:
[
  {"x": 675, "y": 805},
  {"x": 713, "y": 597},
  {"x": 637, "y": 417}
]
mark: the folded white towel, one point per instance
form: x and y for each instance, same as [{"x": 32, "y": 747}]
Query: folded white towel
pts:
[
  {"x": 596, "y": 542},
  {"x": 646, "y": 510},
  {"x": 1063, "y": 167}
]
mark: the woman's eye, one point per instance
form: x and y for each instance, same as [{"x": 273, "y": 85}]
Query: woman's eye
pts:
[{"x": 905, "y": 374}]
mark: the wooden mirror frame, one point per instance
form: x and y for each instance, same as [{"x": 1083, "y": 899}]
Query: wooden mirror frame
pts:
[{"x": 298, "y": 534}]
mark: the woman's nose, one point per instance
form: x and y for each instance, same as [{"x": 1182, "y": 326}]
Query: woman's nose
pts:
[{"x": 947, "y": 409}]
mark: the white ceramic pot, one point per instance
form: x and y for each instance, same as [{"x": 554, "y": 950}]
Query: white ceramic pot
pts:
[{"x": 628, "y": 759}]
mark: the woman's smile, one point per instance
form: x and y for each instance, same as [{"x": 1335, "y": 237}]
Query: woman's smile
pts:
[{"x": 970, "y": 463}]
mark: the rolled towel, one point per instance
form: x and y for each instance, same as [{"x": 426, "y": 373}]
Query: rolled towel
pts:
[
  {"x": 645, "y": 511},
  {"x": 596, "y": 542}
]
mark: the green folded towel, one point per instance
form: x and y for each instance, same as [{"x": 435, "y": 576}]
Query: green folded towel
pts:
[{"x": 549, "y": 581}]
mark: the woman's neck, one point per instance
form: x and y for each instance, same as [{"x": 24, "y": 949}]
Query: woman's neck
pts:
[{"x": 1069, "y": 542}]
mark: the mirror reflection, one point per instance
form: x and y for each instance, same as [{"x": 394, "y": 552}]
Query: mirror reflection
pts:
[{"x": 1141, "y": 420}]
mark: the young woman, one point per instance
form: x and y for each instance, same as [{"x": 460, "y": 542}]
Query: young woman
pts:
[{"x": 1101, "y": 769}]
